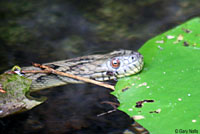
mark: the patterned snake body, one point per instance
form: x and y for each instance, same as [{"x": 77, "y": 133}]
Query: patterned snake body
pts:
[{"x": 98, "y": 67}]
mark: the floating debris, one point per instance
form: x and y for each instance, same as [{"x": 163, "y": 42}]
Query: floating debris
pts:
[
  {"x": 170, "y": 37},
  {"x": 179, "y": 99},
  {"x": 143, "y": 84},
  {"x": 156, "y": 111},
  {"x": 133, "y": 84},
  {"x": 186, "y": 30},
  {"x": 160, "y": 41},
  {"x": 130, "y": 109},
  {"x": 138, "y": 117},
  {"x": 180, "y": 37},
  {"x": 160, "y": 48},
  {"x": 194, "y": 44},
  {"x": 194, "y": 120}
]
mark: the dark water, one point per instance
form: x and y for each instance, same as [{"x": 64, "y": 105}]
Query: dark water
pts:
[{"x": 48, "y": 30}]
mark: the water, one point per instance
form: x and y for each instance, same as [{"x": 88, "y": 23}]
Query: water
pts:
[{"x": 47, "y": 30}]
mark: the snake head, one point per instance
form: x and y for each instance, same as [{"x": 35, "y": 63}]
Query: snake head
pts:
[{"x": 124, "y": 63}]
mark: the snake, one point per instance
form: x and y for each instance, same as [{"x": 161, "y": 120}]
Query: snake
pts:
[{"x": 100, "y": 67}]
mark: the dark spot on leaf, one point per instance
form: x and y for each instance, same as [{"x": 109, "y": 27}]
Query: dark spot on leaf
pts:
[
  {"x": 139, "y": 103},
  {"x": 125, "y": 89},
  {"x": 186, "y": 30},
  {"x": 156, "y": 111},
  {"x": 185, "y": 44},
  {"x": 153, "y": 112}
]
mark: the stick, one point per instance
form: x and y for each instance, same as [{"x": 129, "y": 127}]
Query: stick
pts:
[
  {"x": 50, "y": 70},
  {"x": 36, "y": 71}
]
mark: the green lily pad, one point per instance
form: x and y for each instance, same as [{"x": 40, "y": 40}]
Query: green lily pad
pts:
[
  {"x": 16, "y": 96},
  {"x": 164, "y": 97}
]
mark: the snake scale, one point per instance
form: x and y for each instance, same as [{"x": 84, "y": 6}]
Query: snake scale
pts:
[{"x": 103, "y": 67}]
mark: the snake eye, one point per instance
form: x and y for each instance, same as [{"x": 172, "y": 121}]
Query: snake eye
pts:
[{"x": 115, "y": 63}]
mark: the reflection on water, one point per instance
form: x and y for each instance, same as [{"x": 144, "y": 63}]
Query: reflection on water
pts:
[{"x": 47, "y": 30}]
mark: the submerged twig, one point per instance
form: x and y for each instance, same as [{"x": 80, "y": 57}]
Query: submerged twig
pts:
[
  {"x": 36, "y": 71},
  {"x": 51, "y": 70},
  {"x": 108, "y": 112},
  {"x": 113, "y": 104}
]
